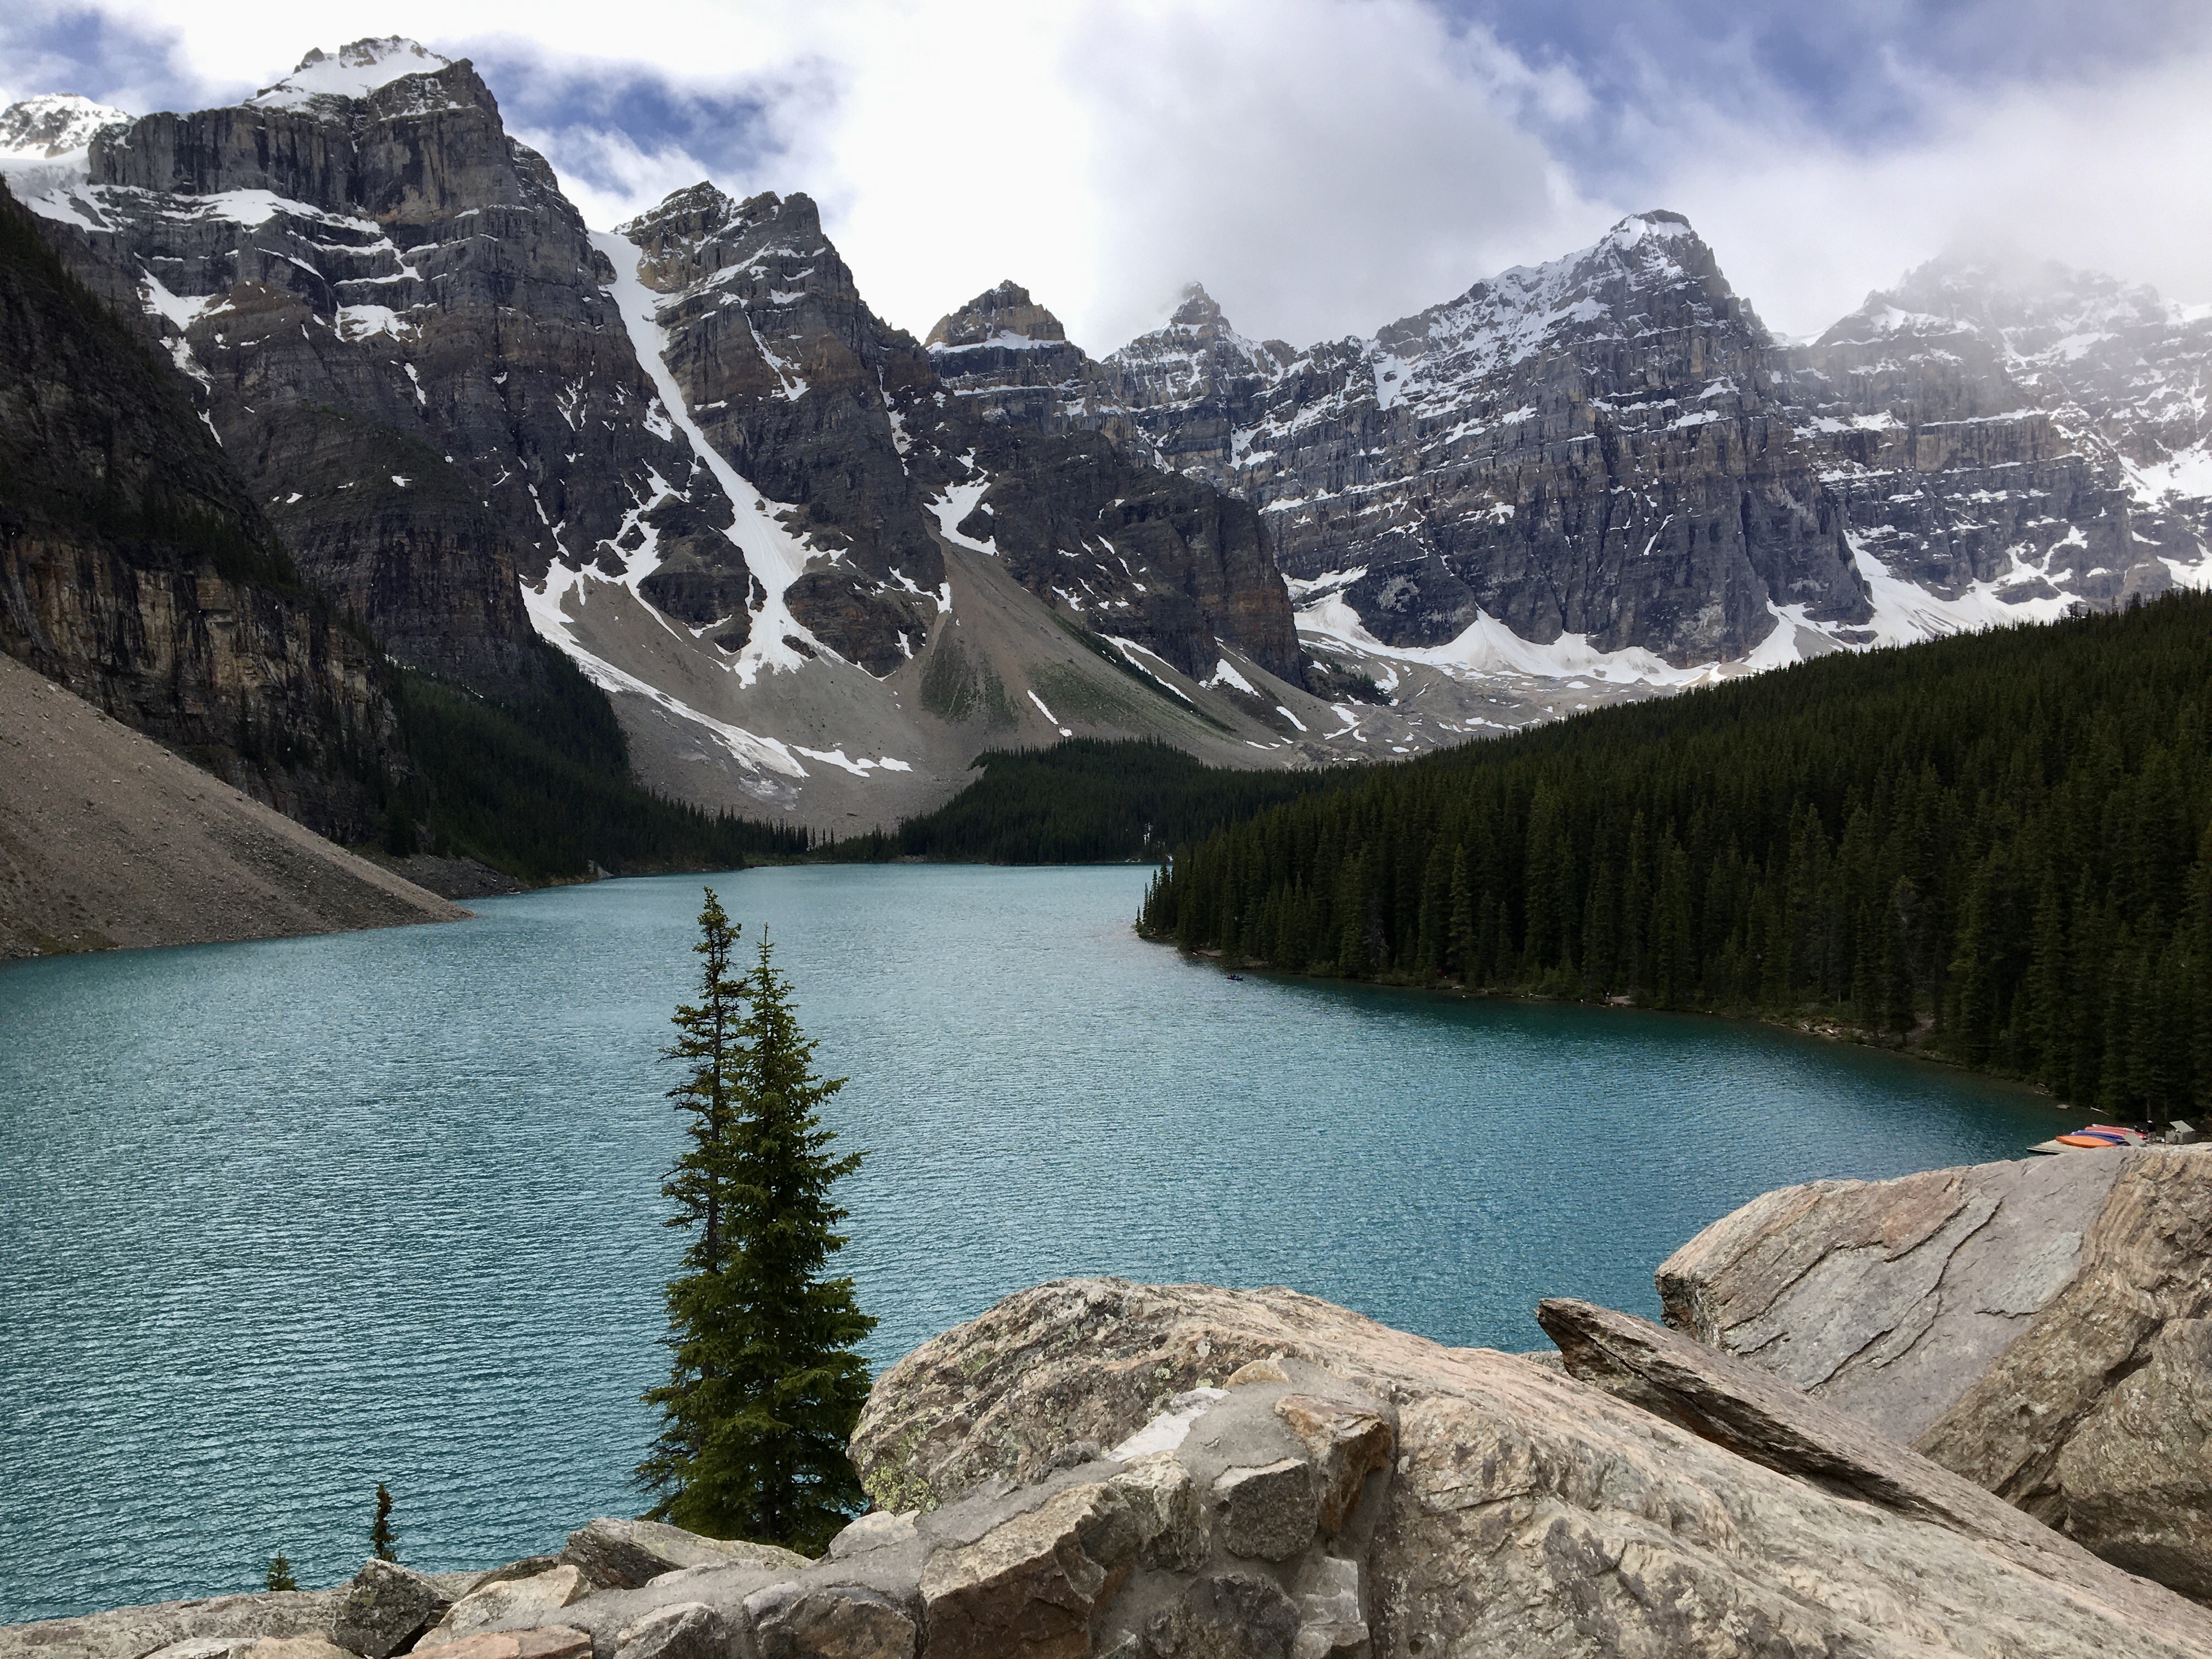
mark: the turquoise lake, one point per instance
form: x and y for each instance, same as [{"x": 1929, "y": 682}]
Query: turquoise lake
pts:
[{"x": 280, "y": 1220}]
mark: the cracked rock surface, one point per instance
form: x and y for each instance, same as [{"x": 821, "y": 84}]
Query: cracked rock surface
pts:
[
  {"x": 2037, "y": 1326},
  {"x": 1096, "y": 1468}
]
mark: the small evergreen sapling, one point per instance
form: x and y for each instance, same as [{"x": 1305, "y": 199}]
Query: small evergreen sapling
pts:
[
  {"x": 764, "y": 1386},
  {"x": 381, "y": 1539},
  {"x": 279, "y": 1573}
]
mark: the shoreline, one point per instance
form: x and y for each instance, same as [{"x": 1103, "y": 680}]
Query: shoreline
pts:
[{"x": 1838, "y": 1032}]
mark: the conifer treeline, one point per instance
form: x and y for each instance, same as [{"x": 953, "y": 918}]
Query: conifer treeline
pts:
[
  {"x": 2002, "y": 841},
  {"x": 1086, "y": 800},
  {"x": 544, "y": 790}
]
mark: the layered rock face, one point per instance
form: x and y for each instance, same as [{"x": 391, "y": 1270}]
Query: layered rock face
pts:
[
  {"x": 1596, "y": 446},
  {"x": 1611, "y": 447},
  {"x": 1011, "y": 359},
  {"x": 398, "y": 330},
  {"x": 839, "y": 422},
  {"x": 2043, "y": 1329},
  {"x": 793, "y": 379},
  {"x": 137, "y": 571},
  {"x": 2039, "y": 433}
]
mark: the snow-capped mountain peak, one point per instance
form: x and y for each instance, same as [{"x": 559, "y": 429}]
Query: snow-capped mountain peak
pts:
[
  {"x": 53, "y": 125},
  {"x": 44, "y": 141},
  {"x": 1004, "y": 315},
  {"x": 352, "y": 71}
]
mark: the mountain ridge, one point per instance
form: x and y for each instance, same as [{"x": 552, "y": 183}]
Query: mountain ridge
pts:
[
  {"x": 1357, "y": 450},
  {"x": 688, "y": 454}
]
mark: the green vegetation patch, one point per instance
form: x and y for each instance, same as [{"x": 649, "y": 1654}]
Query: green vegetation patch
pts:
[
  {"x": 1086, "y": 801},
  {"x": 1998, "y": 847},
  {"x": 544, "y": 792}
]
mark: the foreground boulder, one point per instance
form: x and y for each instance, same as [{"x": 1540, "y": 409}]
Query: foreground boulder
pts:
[
  {"x": 507, "y": 1603},
  {"x": 2040, "y": 1327},
  {"x": 386, "y": 1607},
  {"x": 1520, "y": 1512},
  {"x": 1124, "y": 1472},
  {"x": 616, "y": 1554}
]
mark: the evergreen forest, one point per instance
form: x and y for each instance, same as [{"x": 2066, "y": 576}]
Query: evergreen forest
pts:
[
  {"x": 1086, "y": 800},
  {"x": 1997, "y": 848},
  {"x": 544, "y": 791}
]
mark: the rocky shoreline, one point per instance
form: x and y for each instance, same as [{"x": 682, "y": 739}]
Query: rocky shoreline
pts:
[{"x": 1961, "y": 1412}]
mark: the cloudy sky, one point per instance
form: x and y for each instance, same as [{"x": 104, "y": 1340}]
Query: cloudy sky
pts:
[{"x": 1323, "y": 166}]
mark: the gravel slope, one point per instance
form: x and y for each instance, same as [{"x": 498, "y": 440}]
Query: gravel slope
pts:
[{"x": 107, "y": 840}]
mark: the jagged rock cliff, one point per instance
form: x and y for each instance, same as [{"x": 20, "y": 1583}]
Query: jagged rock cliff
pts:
[
  {"x": 687, "y": 454},
  {"x": 1609, "y": 453},
  {"x": 2017, "y": 436},
  {"x": 1596, "y": 446},
  {"x": 137, "y": 572},
  {"x": 822, "y": 406},
  {"x": 397, "y": 327}
]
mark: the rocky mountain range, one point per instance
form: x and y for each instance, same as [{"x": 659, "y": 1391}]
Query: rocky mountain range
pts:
[
  {"x": 1611, "y": 450},
  {"x": 685, "y": 451},
  {"x": 819, "y": 566}
]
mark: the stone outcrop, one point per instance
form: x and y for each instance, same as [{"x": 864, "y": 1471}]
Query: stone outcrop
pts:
[
  {"x": 267, "y": 1625},
  {"x": 617, "y": 1554},
  {"x": 386, "y": 1608},
  {"x": 137, "y": 571},
  {"x": 1100, "y": 1468},
  {"x": 2039, "y": 1328},
  {"x": 525, "y": 1599},
  {"x": 1521, "y": 1513}
]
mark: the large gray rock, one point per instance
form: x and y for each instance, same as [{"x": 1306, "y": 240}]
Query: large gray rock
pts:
[
  {"x": 1268, "y": 1513},
  {"x": 618, "y": 1554},
  {"x": 1034, "y": 1584},
  {"x": 686, "y": 1630},
  {"x": 386, "y": 1607},
  {"x": 832, "y": 1621},
  {"x": 130, "y": 1633},
  {"x": 2032, "y": 1326},
  {"x": 537, "y": 1641},
  {"x": 1525, "y": 1514},
  {"x": 509, "y": 1604}
]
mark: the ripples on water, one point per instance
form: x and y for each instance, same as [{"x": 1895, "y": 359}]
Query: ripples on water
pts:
[{"x": 280, "y": 1220}]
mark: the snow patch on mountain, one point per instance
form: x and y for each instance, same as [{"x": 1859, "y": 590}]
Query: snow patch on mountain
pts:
[
  {"x": 772, "y": 554},
  {"x": 45, "y": 142},
  {"x": 1488, "y": 647},
  {"x": 352, "y": 71}
]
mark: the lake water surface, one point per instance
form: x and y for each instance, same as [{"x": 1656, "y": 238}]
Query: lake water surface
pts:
[{"x": 280, "y": 1220}]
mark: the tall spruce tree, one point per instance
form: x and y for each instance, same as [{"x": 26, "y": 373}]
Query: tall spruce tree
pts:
[{"x": 764, "y": 1387}]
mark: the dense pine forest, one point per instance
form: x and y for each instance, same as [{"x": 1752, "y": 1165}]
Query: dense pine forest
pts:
[
  {"x": 1999, "y": 846},
  {"x": 1084, "y": 801},
  {"x": 544, "y": 790}
]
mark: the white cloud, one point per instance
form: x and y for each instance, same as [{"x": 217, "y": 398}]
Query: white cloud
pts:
[
  {"x": 1323, "y": 166},
  {"x": 2113, "y": 173}
]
